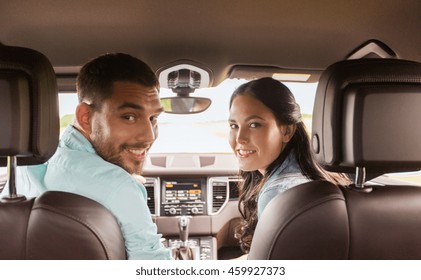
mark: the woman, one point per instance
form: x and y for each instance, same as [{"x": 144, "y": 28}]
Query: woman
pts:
[{"x": 272, "y": 146}]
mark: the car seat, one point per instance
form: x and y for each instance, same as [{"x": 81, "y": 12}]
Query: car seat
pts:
[
  {"x": 366, "y": 122},
  {"x": 55, "y": 225}
]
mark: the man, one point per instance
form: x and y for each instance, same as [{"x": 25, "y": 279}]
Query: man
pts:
[{"x": 115, "y": 126}]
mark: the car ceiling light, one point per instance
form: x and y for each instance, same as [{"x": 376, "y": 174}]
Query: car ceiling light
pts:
[
  {"x": 184, "y": 76},
  {"x": 291, "y": 77}
]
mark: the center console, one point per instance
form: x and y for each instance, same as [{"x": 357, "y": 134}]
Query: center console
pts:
[
  {"x": 202, "y": 247},
  {"x": 189, "y": 194},
  {"x": 184, "y": 197},
  {"x": 187, "y": 211}
]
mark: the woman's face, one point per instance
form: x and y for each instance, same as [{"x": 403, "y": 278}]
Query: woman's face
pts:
[{"x": 255, "y": 136}]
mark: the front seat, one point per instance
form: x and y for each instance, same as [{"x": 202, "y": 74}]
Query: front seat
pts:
[
  {"x": 55, "y": 225},
  {"x": 365, "y": 122}
]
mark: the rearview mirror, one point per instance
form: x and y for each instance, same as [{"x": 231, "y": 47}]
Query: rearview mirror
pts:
[{"x": 185, "y": 105}]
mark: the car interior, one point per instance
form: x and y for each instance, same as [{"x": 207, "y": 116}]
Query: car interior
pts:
[
  {"x": 354, "y": 67},
  {"x": 351, "y": 134}
]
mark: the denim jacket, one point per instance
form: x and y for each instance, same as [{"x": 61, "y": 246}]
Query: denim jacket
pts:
[{"x": 284, "y": 177}]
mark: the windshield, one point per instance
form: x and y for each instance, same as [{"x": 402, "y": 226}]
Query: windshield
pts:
[{"x": 205, "y": 132}]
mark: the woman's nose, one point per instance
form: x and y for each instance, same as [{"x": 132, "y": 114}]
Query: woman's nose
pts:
[{"x": 242, "y": 136}]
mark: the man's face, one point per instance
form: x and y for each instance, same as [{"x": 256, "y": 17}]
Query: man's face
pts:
[{"x": 125, "y": 127}]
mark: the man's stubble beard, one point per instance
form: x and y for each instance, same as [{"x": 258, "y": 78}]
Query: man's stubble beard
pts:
[{"x": 113, "y": 155}]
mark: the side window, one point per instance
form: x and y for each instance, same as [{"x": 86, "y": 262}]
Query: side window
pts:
[
  {"x": 3, "y": 178},
  {"x": 410, "y": 178},
  {"x": 67, "y": 106}
]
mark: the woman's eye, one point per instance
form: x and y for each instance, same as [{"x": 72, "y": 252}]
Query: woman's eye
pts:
[
  {"x": 254, "y": 125},
  {"x": 233, "y": 126}
]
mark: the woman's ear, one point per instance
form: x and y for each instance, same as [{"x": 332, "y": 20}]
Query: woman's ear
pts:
[
  {"x": 83, "y": 118},
  {"x": 288, "y": 132}
]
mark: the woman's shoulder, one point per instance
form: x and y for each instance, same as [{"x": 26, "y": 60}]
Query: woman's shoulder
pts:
[
  {"x": 284, "y": 181},
  {"x": 279, "y": 183},
  {"x": 288, "y": 170}
]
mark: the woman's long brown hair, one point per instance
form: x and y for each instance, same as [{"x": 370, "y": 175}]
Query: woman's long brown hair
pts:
[{"x": 279, "y": 99}]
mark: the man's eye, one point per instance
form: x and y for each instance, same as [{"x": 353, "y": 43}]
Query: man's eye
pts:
[
  {"x": 233, "y": 126},
  {"x": 129, "y": 118}
]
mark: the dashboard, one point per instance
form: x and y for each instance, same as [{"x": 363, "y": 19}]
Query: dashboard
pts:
[
  {"x": 203, "y": 188},
  {"x": 194, "y": 196}
]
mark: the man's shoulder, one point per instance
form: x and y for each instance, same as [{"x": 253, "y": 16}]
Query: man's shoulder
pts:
[{"x": 81, "y": 165}]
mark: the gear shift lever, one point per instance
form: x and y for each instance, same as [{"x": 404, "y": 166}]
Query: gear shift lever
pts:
[
  {"x": 183, "y": 225},
  {"x": 184, "y": 252}
]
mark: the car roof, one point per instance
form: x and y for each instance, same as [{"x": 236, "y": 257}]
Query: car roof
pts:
[{"x": 295, "y": 35}]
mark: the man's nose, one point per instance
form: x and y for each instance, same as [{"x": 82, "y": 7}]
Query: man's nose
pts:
[{"x": 148, "y": 132}]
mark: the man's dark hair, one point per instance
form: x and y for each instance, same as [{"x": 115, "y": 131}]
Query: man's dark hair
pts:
[{"x": 96, "y": 78}]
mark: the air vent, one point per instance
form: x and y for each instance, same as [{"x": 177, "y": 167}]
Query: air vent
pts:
[
  {"x": 207, "y": 161},
  {"x": 159, "y": 161},
  {"x": 151, "y": 196},
  {"x": 219, "y": 195}
]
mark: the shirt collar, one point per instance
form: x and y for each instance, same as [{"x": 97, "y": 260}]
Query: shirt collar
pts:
[{"x": 75, "y": 140}]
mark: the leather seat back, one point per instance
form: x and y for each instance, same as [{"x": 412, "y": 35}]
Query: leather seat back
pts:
[
  {"x": 55, "y": 225},
  {"x": 365, "y": 120}
]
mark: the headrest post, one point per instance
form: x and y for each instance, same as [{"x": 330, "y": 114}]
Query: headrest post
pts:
[
  {"x": 11, "y": 168},
  {"x": 360, "y": 177},
  {"x": 11, "y": 171}
]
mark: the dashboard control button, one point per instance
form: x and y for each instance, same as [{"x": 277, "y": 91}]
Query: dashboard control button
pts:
[{"x": 172, "y": 211}]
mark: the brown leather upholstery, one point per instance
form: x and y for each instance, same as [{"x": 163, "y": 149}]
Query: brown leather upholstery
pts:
[
  {"x": 59, "y": 226},
  {"x": 14, "y": 217},
  {"x": 306, "y": 222},
  {"x": 68, "y": 226},
  {"x": 29, "y": 106},
  {"x": 384, "y": 223},
  {"x": 55, "y": 225},
  {"x": 365, "y": 116},
  {"x": 319, "y": 220}
]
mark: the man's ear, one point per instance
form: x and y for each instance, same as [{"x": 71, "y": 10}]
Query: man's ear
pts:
[
  {"x": 83, "y": 118},
  {"x": 288, "y": 132}
]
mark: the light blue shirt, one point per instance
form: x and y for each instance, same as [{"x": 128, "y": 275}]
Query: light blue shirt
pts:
[
  {"x": 77, "y": 168},
  {"x": 284, "y": 177}
]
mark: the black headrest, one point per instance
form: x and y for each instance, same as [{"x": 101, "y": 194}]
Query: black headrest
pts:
[
  {"x": 29, "y": 120},
  {"x": 366, "y": 114}
]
